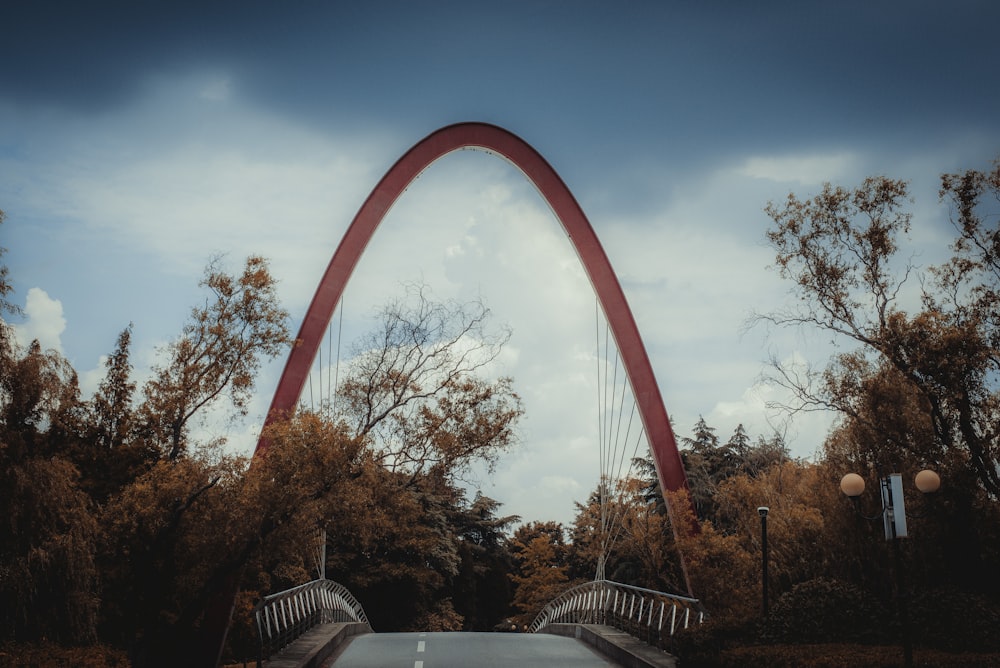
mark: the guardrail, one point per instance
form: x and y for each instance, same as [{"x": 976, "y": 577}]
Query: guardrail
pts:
[
  {"x": 652, "y": 616},
  {"x": 283, "y": 617}
]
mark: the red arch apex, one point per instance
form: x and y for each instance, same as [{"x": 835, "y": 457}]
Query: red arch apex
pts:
[{"x": 505, "y": 144}]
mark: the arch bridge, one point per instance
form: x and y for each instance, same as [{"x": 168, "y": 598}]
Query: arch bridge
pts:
[{"x": 599, "y": 598}]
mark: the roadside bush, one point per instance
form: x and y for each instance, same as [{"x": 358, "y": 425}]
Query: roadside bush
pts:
[
  {"x": 698, "y": 645},
  {"x": 49, "y": 654},
  {"x": 955, "y": 620},
  {"x": 839, "y": 655},
  {"x": 823, "y": 610},
  {"x": 703, "y": 644}
]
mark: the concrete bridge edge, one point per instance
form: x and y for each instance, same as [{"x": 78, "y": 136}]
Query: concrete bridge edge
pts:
[
  {"x": 317, "y": 645},
  {"x": 616, "y": 645}
]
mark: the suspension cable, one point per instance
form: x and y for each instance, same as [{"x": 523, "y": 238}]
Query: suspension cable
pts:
[
  {"x": 319, "y": 374},
  {"x": 613, "y": 491},
  {"x": 618, "y": 518},
  {"x": 311, "y": 405},
  {"x": 614, "y": 441},
  {"x": 336, "y": 372},
  {"x": 599, "y": 573}
]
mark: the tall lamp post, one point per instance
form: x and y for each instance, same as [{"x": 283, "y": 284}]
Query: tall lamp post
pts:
[
  {"x": 762, "y": 511},
  {"x": 893, "y": 518}
]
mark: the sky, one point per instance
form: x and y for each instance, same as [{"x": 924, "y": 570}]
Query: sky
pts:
[{"x": 140, "y": 139}]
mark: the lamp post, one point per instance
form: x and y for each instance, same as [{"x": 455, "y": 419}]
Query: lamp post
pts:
[
  {"x": 893, "y": 518},
  {"x": 762, "y": 511}
]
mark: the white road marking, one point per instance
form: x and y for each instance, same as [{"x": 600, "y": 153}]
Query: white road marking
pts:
[
  {"x": 418, "y": 664},
  {"x": 421, "y": 645}
]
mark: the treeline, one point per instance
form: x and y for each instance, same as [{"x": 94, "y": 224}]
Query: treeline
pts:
[
  {"x": 915, "y": 387},
  {"x": 121, "y": 525}
]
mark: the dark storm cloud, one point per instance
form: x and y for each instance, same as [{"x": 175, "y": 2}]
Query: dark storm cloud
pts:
[
  {"x": 87, "y": 56},
  {"x": 694, "y": 80}
]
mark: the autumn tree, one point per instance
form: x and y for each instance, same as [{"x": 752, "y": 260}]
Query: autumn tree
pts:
[
  {"x": 399, "y": 554},
  {"x": 48, "y": 575},
  {"x": 635, "y": 540},
  {"x": 111, "y": 406},
  {"x": 124, "y": 522},
  {"x": 766, "y": 451},
  {"x": 842, "y": 248},
  {"x": 168, "y": 518},
  {"x": 482, "y": 591},
  {"x": 540, "y": 568},
  {"x": 217, "y": 355},
  {"x": 415, "y": 394},
  {"x": 172, "y": 522},
  {"x": 805, "y": 508},
  {"x": 414, "y": 387},
  {"x": 722, "y": 572},
  {"x": 702, "y": 462},
  {"x": 953, "y": 540},
  {"x": 708, "y": 463},
  {"x": 593, "y": 536},
  {"x": 419, "y": 411},
  {"x": 410, "y": 548},
  {"x": 110, "y": 454},
  {"x": 5, "y": 289}
]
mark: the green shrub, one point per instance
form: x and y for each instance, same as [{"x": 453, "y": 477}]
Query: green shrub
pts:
[
  {"x": 825, "y": 610},
  {"x": 839, "y": 655},
  {"x": 954, "y": 620},
  {"x": 702, "y": 644},
  {"x": 698, "y": 645}
]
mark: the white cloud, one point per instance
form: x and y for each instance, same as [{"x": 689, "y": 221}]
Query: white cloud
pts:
[
  {"x": 176, "y": 180},
  {"x": 44, "y": 321},
  {"x": 217, "y": 90},
  {"x": 690, "y": 285},
  {"x": 803, "y": 169},
  {"x": 755, "y": 410},
  {"x": 91, "y": 379}
]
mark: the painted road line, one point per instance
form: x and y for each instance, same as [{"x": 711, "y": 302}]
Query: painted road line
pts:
[
  {"x": 418, "y": 664},
  {"x": 421, "y": 645}
]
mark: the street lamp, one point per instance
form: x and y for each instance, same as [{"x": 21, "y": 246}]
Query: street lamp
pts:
[
  {"x": 893, "y": 518},
  {"x": 762, "y": 511}
]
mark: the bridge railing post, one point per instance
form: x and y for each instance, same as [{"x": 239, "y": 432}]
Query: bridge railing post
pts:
[
  {"x": 284, "y": 616},
  {"x": 640, "y": 612}
]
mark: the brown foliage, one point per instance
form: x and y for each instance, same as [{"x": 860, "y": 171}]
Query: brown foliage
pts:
[
  {"x": 840, "y": 249},
  {"x": 541, "y": 573},
  {"x": 48, "y": 578},
  {"x": 217, "y": 354},
  {"x": 838, "y": 655},
  {"x": 5, "y": 289},
  {"x": 414, "y": 392},
  {"x": 722, "y": 572},
  {"x": 800, "y": 498},
  {"x": 632, "y": 533}
]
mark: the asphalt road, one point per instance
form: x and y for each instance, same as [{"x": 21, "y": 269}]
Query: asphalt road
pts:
[{"x": 462, "y": 650}]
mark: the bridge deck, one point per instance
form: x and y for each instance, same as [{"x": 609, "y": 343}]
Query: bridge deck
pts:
[
  {"x": 460, "y": 650},
  {"x": 351, "y": 646}
]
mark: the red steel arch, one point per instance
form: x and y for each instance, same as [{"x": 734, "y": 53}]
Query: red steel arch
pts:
[{"x": 498, "y": 141}]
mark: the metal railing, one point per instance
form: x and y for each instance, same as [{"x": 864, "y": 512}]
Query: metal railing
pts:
[
  {"x": 652, "y": 616},
  {"x": 283, "y": 617}
]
